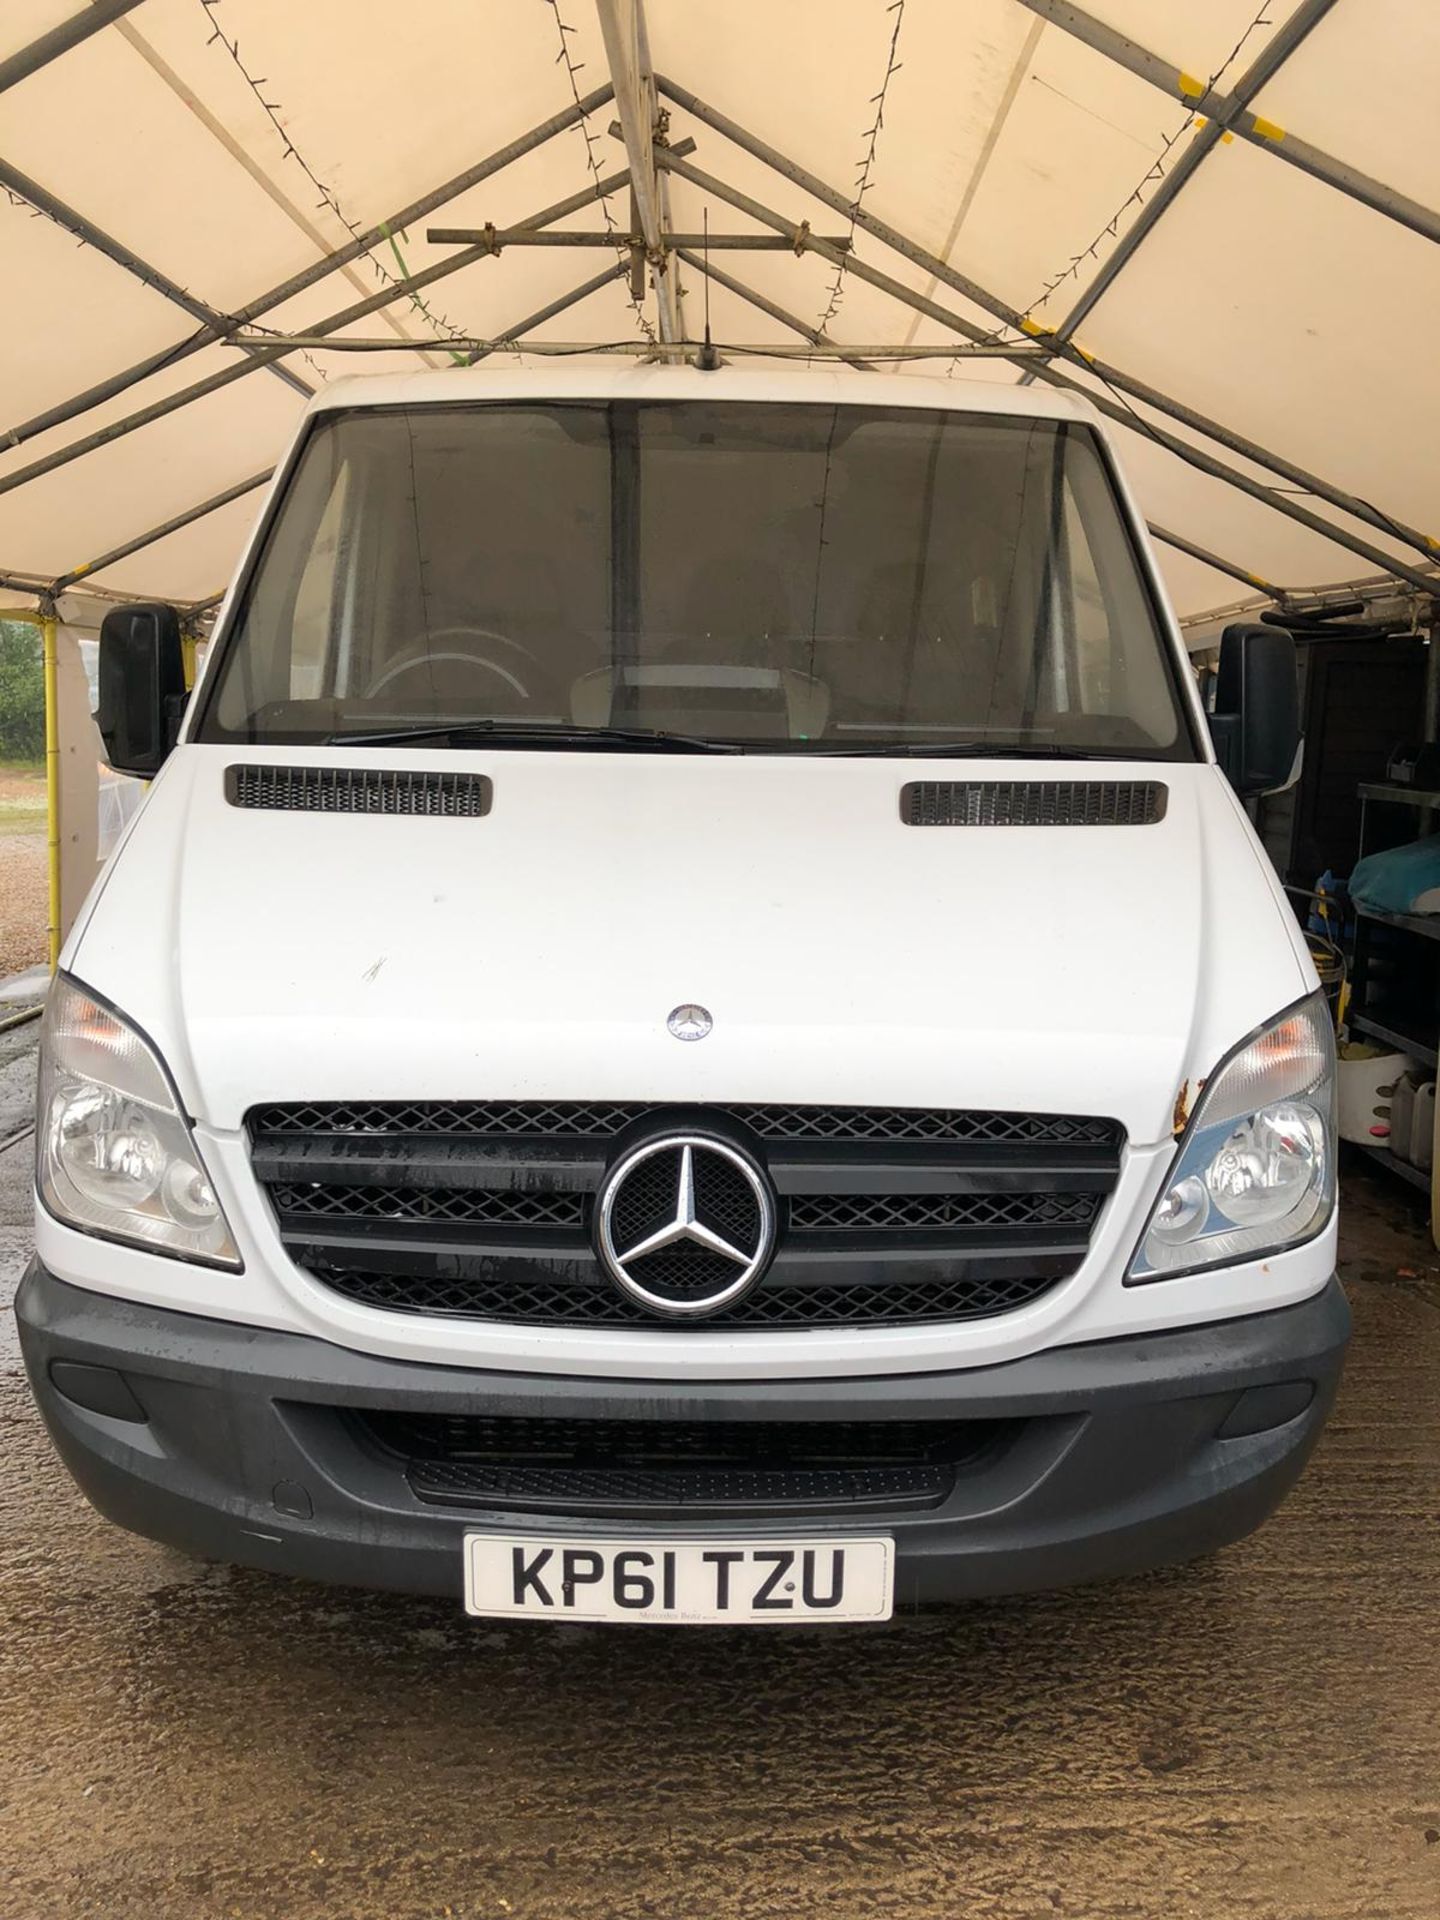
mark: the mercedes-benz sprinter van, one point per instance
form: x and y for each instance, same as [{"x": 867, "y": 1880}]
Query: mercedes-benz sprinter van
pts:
[{"x": 692, "y": 1027}]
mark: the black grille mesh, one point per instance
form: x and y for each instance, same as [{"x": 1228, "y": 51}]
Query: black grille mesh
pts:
[
  {"x": 601, "y": 1120},
  {"x": 547, "y": 1439},
  {"x": 874, "y": 1212},
  {"x": 543, "y": 1299},
  {"x": 459, "y": 1206},
  {"x": 689, "y": 1489},
  {"x": 1033, "y": 803},
  {"x": 358, "y": 790}
]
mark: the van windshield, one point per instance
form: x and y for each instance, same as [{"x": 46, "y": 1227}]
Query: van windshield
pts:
[{"x": 785, "y": 578}]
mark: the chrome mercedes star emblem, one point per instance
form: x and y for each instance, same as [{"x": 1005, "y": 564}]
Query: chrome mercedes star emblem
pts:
[
  {"x": 685, "y": 1224},
  {"x": 690, "y": 1022}
]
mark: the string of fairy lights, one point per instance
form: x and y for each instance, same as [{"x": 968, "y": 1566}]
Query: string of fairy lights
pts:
[
  {"x": 871, "y": 136},
  {"x": 1145, "y": 186},
  {"x": 328, "y": 201}
]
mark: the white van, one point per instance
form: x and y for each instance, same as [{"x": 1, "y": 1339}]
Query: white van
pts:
[{"x": 691, "y": 1028}]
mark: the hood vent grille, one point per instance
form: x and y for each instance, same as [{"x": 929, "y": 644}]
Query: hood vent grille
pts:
[
  {"x": 1033, "y": 803},
  {"x": 452, "y": 796}
]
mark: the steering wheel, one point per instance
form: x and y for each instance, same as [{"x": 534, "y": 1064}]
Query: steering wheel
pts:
[{"x": 530, "y": 685}]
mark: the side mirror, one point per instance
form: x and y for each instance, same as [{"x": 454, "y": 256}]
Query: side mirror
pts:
[
  {"x": 1256, "y": 722},
  {"x": 142, "y": 687}
]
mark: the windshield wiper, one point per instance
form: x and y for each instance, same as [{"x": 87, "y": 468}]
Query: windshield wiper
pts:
[{"x": 522, "y": 733}]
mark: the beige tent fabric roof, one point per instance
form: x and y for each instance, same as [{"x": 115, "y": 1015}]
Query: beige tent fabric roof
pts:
[{"x": 1265, "y": 299}]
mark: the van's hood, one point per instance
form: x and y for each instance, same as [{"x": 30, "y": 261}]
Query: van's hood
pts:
[{"x": 535, "y": 953}]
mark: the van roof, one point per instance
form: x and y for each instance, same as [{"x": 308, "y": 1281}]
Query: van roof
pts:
[{"x": 622, "y": 379}]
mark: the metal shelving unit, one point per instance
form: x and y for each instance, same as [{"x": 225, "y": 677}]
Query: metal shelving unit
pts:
[
  {"x": 1382, "y": 1156},
  {"x": 1363, "y": 1018}
]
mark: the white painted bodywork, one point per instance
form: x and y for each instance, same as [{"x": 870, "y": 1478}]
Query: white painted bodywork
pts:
[{"x": 846, "y": 958}]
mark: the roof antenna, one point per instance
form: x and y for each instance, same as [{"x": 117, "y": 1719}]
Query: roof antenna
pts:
[{"x": 707, "y": 360}]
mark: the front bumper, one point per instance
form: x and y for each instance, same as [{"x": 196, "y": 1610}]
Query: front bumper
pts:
[{"x": 1122, "y": 1455}]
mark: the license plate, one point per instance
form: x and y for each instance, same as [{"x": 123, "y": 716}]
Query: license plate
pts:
[{"x": 678, "y": 1582}]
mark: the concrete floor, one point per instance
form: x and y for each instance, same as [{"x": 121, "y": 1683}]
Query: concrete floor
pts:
[{"x": 1255, "y": 1738}]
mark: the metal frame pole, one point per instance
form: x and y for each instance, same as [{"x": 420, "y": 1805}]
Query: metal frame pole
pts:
[
  {"x": 494, "y": 239},
  {"x": 818, "y": 338},
  {"x": 1240, "y": 120},
  {"x": 309, "y": 276},
  {"x": 622, "y": 28},
  {"x": 1052, "y": 375},
  {"x": 395, "y": 290},
  {"x": 1209, "y": 559},
  {"x": 1112, "y": 376},
  {"x": 60, "y": 39}
]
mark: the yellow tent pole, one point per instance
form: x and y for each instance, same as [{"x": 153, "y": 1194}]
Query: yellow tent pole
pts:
[
  {"x": 49, "y": 629},
  {"x": 48, "y": 623}
]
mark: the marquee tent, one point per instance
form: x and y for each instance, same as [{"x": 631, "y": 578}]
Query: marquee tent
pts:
[{"x": 1219, "y": 222}]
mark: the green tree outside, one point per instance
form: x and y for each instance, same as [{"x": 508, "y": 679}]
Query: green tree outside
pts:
[{"x": 22, "y": 693}]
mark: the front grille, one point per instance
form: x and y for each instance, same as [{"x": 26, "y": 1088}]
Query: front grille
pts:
[
  {"x": 1033, "y": 803},
  {"x": 540, "y": 1465},
  {"x": 486, "y": 1210},
  {"x": 358, "y": 790}
]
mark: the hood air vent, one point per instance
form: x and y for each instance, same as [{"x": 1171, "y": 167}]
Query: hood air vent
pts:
[
  {"x": 1033, "y": 803},
  {"x": 358, "y": 790}
]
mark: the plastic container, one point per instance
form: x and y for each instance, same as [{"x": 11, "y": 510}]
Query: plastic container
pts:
[
  {"x": 1422, "y": 1132},
  {"x": 1367, "y": 1078}
]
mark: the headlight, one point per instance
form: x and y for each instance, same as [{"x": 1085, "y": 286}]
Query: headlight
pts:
[
  {"x": 1256, "y": 1167},
  {"x": 115, "y": 1155}
]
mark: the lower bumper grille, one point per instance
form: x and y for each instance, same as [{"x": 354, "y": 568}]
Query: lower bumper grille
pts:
[
  {"x": 600, "y": 1467},
  {"x": 598, "y": 1491}
]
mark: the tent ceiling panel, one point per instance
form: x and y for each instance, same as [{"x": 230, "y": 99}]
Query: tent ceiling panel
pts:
[
  {"x": 197, "y": 561},
  {"x": 790, "y": 279},
  {"x": 1079, "y": 139},
  {"x": 65, "y": 518},
  {"x": 804, "y": 76},
  {"x": 1261, "y": 268},
  {"x": 20, "y": 25},
  {"x": 71, "y": 315},
  {"x": 1007, "y": 147},
  {"x": 144, "y": 167},
  {"x": 380, "y": 115},
  {"x": 1383, "y": 118}
]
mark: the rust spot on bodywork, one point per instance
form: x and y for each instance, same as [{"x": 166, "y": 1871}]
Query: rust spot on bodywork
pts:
[{"x": 1181, "y": 1118}]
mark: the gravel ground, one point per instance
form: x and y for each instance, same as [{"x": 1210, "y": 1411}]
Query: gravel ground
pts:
[
  {"x": 23, "y": 905},
  {"x": 1253, "y": 1738}
]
